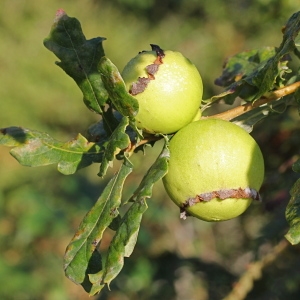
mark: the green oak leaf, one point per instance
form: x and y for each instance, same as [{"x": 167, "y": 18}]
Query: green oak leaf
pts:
[
  {"x": 249, "y": 75},
  {"x": 113, "y": 82},
  {"x": 121, "y": 246},
  {"x": 243, "y": 64},
  {"x": 122, "y": 101},
  {"x": 249, "y": 119},
  {"x": 117, "y": 141},
  {"x": 292, "y": 214},
  {"x": 33, "y": 149},
  {"x": 126, "y": 235},
  {"x": 82, "y": 247},
  {"x": 79, "y": 58},
  {"x": 297, "y": 98},
  {"x": 156, "y": 172},
  {"x": 296, "y": 166}
]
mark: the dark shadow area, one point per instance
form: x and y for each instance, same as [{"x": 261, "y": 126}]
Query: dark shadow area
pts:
[
  {"x": 169, "y": 269},
  {"x": 16, "y": 133}
]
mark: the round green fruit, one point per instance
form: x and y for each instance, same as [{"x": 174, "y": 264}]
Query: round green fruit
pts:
[
  {"x": 215, "y": 170},
  {"x": 169, "y": 90}
]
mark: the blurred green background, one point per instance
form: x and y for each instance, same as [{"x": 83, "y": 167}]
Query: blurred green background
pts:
[{"x": 40, "y": 209}]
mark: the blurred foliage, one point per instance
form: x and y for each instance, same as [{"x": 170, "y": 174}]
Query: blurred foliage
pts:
[{"x": 40, "y": 209}]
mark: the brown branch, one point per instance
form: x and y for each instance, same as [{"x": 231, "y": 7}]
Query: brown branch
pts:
[
  {"x": 133, "y": 145},
  {"x": 231, "y": 113},
  {"x": 254, "y": 272},
  {"x": 268, "y": 97}
]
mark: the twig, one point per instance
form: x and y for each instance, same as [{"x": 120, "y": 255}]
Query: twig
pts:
[
  {"x": 254, "y": 272},
  {"x": 268, "y": 97},
  {"x": 132, "y": 146},
  {"x": 231, "y": 113}
]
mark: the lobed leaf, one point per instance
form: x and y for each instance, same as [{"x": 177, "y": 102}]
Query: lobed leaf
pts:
[
  {"x": 126, "y": 235},
  {"x": 251, "y": 74},
  {"x": 249, "y": 119},
  {"x": 79, "y": 58},
  {"x": 296, "y": 166},
  {"x": 156, "y": 172},
  {"x": 113, "y": 82},
  {"x": 297, "y": 98},
  {"x": 121, "y": 246},
  {"x": 82, "y": 247},
  {"x": 292, "y": 214},
  {"x": 106, "y": 126},
  {"x": 243, "y": 64},
  {"x": 33, "y": 148},
  {"x": 117, "y": 141}
]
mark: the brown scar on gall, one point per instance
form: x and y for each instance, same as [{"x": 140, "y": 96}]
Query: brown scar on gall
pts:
[
  {"x": 140, "y": 85},
  {"x": 239, "y": 193}
]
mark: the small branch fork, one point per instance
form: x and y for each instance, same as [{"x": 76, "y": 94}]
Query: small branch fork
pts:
[
  {"x": 254, "y": 272},
  {"x": 146, "y": 140},
  {"x": 268, "y": 97},
  {"x": 234, "y": 112}
]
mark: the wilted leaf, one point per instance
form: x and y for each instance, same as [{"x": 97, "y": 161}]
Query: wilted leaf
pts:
[
  {"x": 250, "y": 75},
  {"x": 121, "y": 246},
  {"x": 156, "y": 172},
  {"x": 117, "y": 141},
  {"x": 243, "y": 64},
  {"x": 249, "y": 119},
  {"x": 105, "y": 127},
  {"x": 115, "y": 223},
  {"x": 297, "y": 98},
  {"x": 78, "y": 58},
  {"x": 296, "y": 166},
  {"x": 125, "y": 238},
  {"x": 34, "y": 149},
  {"x": 122, "y": 100},
  {"x": 227, "y": 94},
  {"x": 292, "y": 214},
  {"x": 80, "y": 250}
]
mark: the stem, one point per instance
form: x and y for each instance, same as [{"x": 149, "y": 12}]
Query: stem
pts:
[
  {"x": 254, "y": 271},
  {"x": 133, "y": 146},
  {"x": 268, "y": 97},
  {"x": 234, "y": 112}
]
